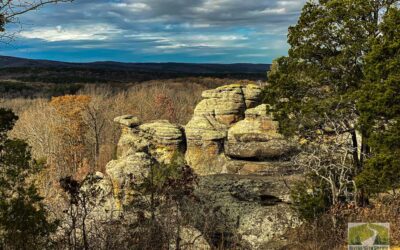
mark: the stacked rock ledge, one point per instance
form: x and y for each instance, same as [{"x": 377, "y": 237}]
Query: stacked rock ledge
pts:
[
  {"x": 231, "y": 124},
  {"x": 140, "y": 145},
  {"x": 232, "y": 142}
]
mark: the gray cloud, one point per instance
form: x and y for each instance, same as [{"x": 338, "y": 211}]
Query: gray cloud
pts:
[{"x": 236, "y": 30}]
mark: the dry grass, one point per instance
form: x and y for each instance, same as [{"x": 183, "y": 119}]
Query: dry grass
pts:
[{"x": 324, "y": 234}]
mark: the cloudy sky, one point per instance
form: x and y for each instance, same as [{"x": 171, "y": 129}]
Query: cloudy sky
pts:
[{"x": 221, "y": 31}]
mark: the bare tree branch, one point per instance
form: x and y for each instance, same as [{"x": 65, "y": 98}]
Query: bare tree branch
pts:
[{"x": 10, "y": 10}]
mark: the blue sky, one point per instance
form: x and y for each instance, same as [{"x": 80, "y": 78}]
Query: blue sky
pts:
[{"x": 220, "y": 31}]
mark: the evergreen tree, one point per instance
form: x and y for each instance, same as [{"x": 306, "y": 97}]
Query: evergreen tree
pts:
[
  {"x": 314, "y": 90},
  {"x": 23, "y": 218},
  {"x": 325, "y": 67},
  {"x": 379, "y": 105}
]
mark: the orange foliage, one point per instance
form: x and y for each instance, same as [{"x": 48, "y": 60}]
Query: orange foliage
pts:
[
  {"x": 71, "y": 130},
  {"x": 164, "y": 105}
]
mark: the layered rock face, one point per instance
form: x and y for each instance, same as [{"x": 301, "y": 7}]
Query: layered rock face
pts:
[
  {"x": 233, "y": 144},
  {"x": 257, "y": 137},
  {"x": 233, "y": 141},
  {"x": 140, "y": 146},
  {"x": 161, "y": 139},
  {"x": 213, "y": 116},
  {"x": 229, "y": 124},
  {"x": 254, "y": 208}
]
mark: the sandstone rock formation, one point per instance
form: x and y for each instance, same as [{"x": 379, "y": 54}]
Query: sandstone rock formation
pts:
[
  {"x": 255, "y": 207},
  {"x": 256, "y": 137},
  {"x": 139, "y": 146},
  {"x": 233, "y": 144},
  {"x": 231, "y": 123},
  {"x": 213, "y": 116},
  {"x": 160, "y": 139}
]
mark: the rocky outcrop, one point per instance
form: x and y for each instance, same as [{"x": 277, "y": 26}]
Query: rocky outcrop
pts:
[
  {"x": 161, "y": 139},
  {"x": 233, "y": 144},
  {"x": 230, "y": 124},
  {"x": 165, "y": 139},
  {"x": 213, "y": 116},
  {"x": 257, "y": 137},
  {"x": 253, "y": 209},
  {"x": 140, "y": 146}
]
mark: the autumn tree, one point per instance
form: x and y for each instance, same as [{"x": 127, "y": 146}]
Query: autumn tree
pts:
[
  {"x": 96, "y": 121},
  {"x": 71, "y": 129},
  {"x": 164, "y": 107}
]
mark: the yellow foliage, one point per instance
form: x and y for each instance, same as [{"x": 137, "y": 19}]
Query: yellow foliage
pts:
[
  {"x": 71, "y": 128},
  {"x": 303, "y": 141}
]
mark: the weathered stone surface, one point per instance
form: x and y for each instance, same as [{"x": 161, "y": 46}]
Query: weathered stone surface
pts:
[
  {"x": 252, "y": 95},
  {"x": 205, "y": 157},
  {"x": 254, "y": 208},
  {"x": 265, "y": 168},
  {"x": 191, "y": 239},
  {"x": 161, "y": 139},
  {"x": 233, "y": 144},
  {"x": 130, "y": 142},
  {"x": 228, "y": 103},
  {"x": 162, "y": 132},
  {"x": 207, "y": 130},
  {"x": 138, "y": 148},
  {"x": 165, "y": 139},
  {"x": 124, "y": 172},
  {"x": 127, "y": 120},
  {"x": 256, "y": 137}
]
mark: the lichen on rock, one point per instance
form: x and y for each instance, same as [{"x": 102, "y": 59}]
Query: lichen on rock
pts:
[
  {"x": 257, "y": 137},
  {"x": 233, "y": 143},
  {"x": 213, "y": 116},
  {"x": 229, "y": 124},
  {"x": 139, "y": 147}
]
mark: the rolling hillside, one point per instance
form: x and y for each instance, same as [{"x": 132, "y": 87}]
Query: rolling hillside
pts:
[{"x": 53, "y": 71}]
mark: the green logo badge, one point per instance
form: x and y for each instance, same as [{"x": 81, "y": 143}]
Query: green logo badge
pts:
[{"x": 368, "y": 236}]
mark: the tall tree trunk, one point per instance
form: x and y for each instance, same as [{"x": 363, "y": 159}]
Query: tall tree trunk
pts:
[{"x": 356, "y": 159}]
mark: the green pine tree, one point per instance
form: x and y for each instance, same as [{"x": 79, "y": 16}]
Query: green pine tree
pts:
[
  {"x": 379, "y": 105},
  {"x": 23, "y": 219},
  {"x": 314, "y": 91}
]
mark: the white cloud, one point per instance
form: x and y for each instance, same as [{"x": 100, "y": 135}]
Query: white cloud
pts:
[
  {"x": 134, "y": 7},
  {"x": 88, "y": 32},
  {"x": 255, "y": 29},
  {"x": 173, "y": 46},
  {"x": 273, "y": 11}
]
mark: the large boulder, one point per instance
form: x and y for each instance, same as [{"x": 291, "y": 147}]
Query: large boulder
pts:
[
  {"x": 257, "y": 137},
  {"x": 213, "y": 116},
  {"x": 165, "y": 139},
  {"x": 161, "y": 139},
  {"x": 228, "y": 103},
  {"x": 124, "y": 172},
  {"x": 140, "y": 146}
]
